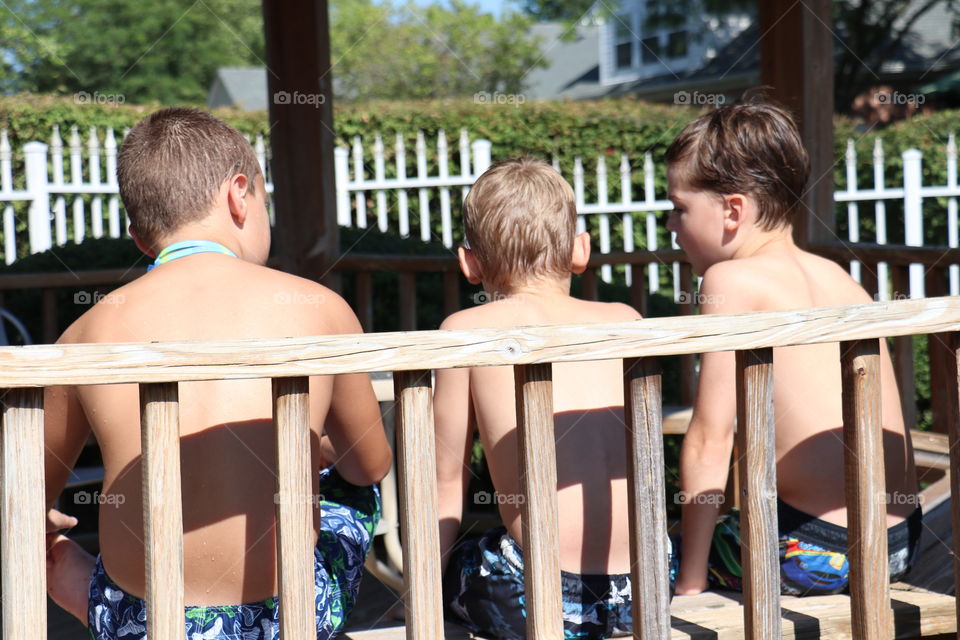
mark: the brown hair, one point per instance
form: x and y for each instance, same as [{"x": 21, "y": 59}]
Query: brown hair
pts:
[
  {"x": 752, "y": 148},
  {"x": 172, "y": 165},
  {"x": 520, "y": 220}
]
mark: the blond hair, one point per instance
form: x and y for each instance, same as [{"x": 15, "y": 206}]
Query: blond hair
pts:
[
  {"x": 171, "y": 167},
  {"x": 520, "y": 222}
]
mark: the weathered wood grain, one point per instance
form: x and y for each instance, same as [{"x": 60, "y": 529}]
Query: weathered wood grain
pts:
[
  {"x": 865, "y": 489},
  {"x": 162, "y": 508},
  {"x": 294, "y": 508},
  {"x": 538, "y": 509},
  {"x": 417, "y": 468},
  {"x": 43, "y": 365},
  {"x": 758, "y": 481},
  {"x": 649, "y": 576},
  {"x": 23, "y": 516}
]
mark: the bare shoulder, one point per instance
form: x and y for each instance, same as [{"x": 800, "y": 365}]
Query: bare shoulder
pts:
[
  {"x": 298, "y": 295},
  {"x": 613, "y": 311},
  {"x": 734, "y": 285},
  {"x": 470, "y": 318}
]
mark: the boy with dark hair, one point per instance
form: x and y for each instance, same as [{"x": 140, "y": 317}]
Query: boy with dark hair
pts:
[
  {"x": 196, "y": 200},
  {"x": 520, "y": 221},
  {"x": 736, "y": 178}
]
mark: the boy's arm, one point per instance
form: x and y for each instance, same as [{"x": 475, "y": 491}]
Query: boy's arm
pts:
[
  {"x": 65, "y": 431},
  {"x": 353, "y": 425},
  {"x": 454, "y": 440},
  {"x": 705, "y": 453}
]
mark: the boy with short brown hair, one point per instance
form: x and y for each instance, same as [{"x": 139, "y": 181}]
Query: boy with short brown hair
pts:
[
  {"x": 196, "y": 200},
  {"x": 520, "y": 221},
  {"x": 737, "y": 177}
]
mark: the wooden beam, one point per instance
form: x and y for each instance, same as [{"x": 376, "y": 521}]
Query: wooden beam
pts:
[
  {"x": 300, "y": 86},
  {"x": 796, "y": 62}
]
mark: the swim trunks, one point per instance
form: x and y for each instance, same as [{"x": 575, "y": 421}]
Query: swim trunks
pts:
[
  {"x": 349, "y": 516},
  {"x": 483, "y": 590},
  {"x": 813, "y": 553}
]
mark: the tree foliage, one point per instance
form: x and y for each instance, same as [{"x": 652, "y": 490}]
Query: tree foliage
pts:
[{"x": 168, "y": 51}]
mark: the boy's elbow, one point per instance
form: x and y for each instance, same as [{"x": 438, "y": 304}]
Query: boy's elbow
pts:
[{"x": 370, "y": 471}]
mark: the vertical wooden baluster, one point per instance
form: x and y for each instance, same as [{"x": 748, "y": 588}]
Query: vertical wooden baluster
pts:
[
  {"x": 408, "y": 300},
  {"x": 364, "y": 280},
  {"x": 638, "y": 289},
  {"x": 51, "y": 329},
  {"x": 758, "y": 481},
  {"x": 938, "y": 352},
  {"x": 162, "y": 509},
  {"x": 688, "y": 377},
  {"x": 294, "y": 500},
  {"x": 538, "y": 511},
  {"x": 648, "y": 511},
  {"x": 865, "y": 485},
  {"x": 417, "y": 466},
  {"x": 869, "y": 280},
  {"x": 953, "y": 434},
  {"x": 903, "y": 351},
  {"x": 589, "y": 285},
  {"x": 23, "y": 516},
  {"x": 451, "y": 292}
]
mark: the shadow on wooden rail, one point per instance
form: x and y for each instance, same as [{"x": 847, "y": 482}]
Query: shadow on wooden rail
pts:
[{"x": 158, "y": 367}]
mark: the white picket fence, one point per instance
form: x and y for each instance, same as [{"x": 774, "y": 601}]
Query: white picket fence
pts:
[{"x": 385, "y": 194}]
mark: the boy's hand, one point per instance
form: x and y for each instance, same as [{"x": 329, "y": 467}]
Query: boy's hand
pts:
[{"x": 58, "y": 521}]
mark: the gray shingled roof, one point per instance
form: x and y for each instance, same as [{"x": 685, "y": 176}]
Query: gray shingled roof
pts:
[{"x": 242, "y": 87}]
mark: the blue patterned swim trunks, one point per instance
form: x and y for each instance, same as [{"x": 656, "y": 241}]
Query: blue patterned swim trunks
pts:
[
  {"x": 484, "y": 591},
  {"x": 349, "y": 516}
]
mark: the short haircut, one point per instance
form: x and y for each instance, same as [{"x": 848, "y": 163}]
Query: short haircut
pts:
[
  {"x": 751, "y": 148},
  {"x": 171, "y": 167},
  {"x": 520, "y": 221}
]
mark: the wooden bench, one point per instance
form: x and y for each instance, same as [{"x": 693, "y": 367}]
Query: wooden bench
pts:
[{"x": 157, "y": 367}]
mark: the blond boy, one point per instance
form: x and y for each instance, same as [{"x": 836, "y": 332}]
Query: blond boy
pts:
[
  {"x": 195, "y": 196},
  {"x": 520, "y": 222},
  {"x": 737, "y": 177}
]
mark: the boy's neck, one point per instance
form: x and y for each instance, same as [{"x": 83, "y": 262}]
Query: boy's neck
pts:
[
  {"x": 763, "y": 241},
  {"x": 540, "y": 287}
]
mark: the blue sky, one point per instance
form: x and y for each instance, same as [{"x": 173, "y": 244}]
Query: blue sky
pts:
[{"x": 493, "y": 6}]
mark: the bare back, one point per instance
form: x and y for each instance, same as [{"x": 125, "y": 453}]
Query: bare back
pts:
[
  {"x": 227, "y": 438},
  {"x": 589, "y": 429},
  {"x": 807, "y": 385}
]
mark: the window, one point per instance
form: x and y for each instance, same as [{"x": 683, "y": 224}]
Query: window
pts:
[
  {"x": 624, "y": 42},
  {"x": 650, "y": 50},
  {"x": 677, "y": 45}
]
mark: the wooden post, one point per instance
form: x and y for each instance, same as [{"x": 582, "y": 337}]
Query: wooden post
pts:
[
  {"x": 953, "y": 434},
  {"x": 796, "y": 61},
  {"x": 758, "y": 479},
  {"x": 407, "y": 291},
  {"x": 538, "y": 510},
  {"x": 865, "y": 485},
  {"x": 643, "y": 406},
  {"x": 364, "y": 299},
  {"x": 293, "y": 500},
  {"x": 300, "y": 86},
  {"x": 417, "y": 466},
  {"x": 162, "y": 508},
  {"x": 938, "y": 352},
  {"x": 903, "y": 353},
  {"x": 23, "y": 516},
  {"x": 638, "y": 289}
]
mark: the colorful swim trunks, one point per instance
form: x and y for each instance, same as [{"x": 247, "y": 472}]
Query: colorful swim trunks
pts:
[
  {"x": 813, "y": 553},
  {"x": 349, "y": 516},
  {"x": 483, "y": 590}
]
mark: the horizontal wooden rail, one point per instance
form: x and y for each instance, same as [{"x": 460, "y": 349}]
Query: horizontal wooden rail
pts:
[
  {"x": 80, "y": 364},
  {"x": 889, "y": 253}
]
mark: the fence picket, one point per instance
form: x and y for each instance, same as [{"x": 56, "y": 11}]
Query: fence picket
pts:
[
  {"x": 361, "y": 196},
  {"x": 853, "y": 209},
  {"x": 96, "y": 204},
  {"x": 76, "y": 179},
  {"x": 953, "y": 270},
  {"x": 606, "y": 271},
  {"x": 649, "y": 197},
  {"x": 425, "y": 232},
  {"x": 60, "y": 202},
  {"x": 446, "y": 220},
  {"x": 880, "y": 218},
  {"x": 380, "y": 174},
  {"x": 113, "y": 202},
  {"x": 6, "y": 186},
  {"x": 626, "y": 195},
  {"x": 402, "y": 204}
]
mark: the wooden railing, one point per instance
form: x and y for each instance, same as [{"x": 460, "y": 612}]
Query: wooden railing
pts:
[{"x": 158, "y": 367}]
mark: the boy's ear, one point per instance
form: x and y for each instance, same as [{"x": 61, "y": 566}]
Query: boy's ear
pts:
[
  {"x": 733, "y": 211},
  {"x": 581, "y": 253},
  {"x": 469, "y": 265},
  {"x": 237, "y": 188},
  {"x": 143, "y": 246}
]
